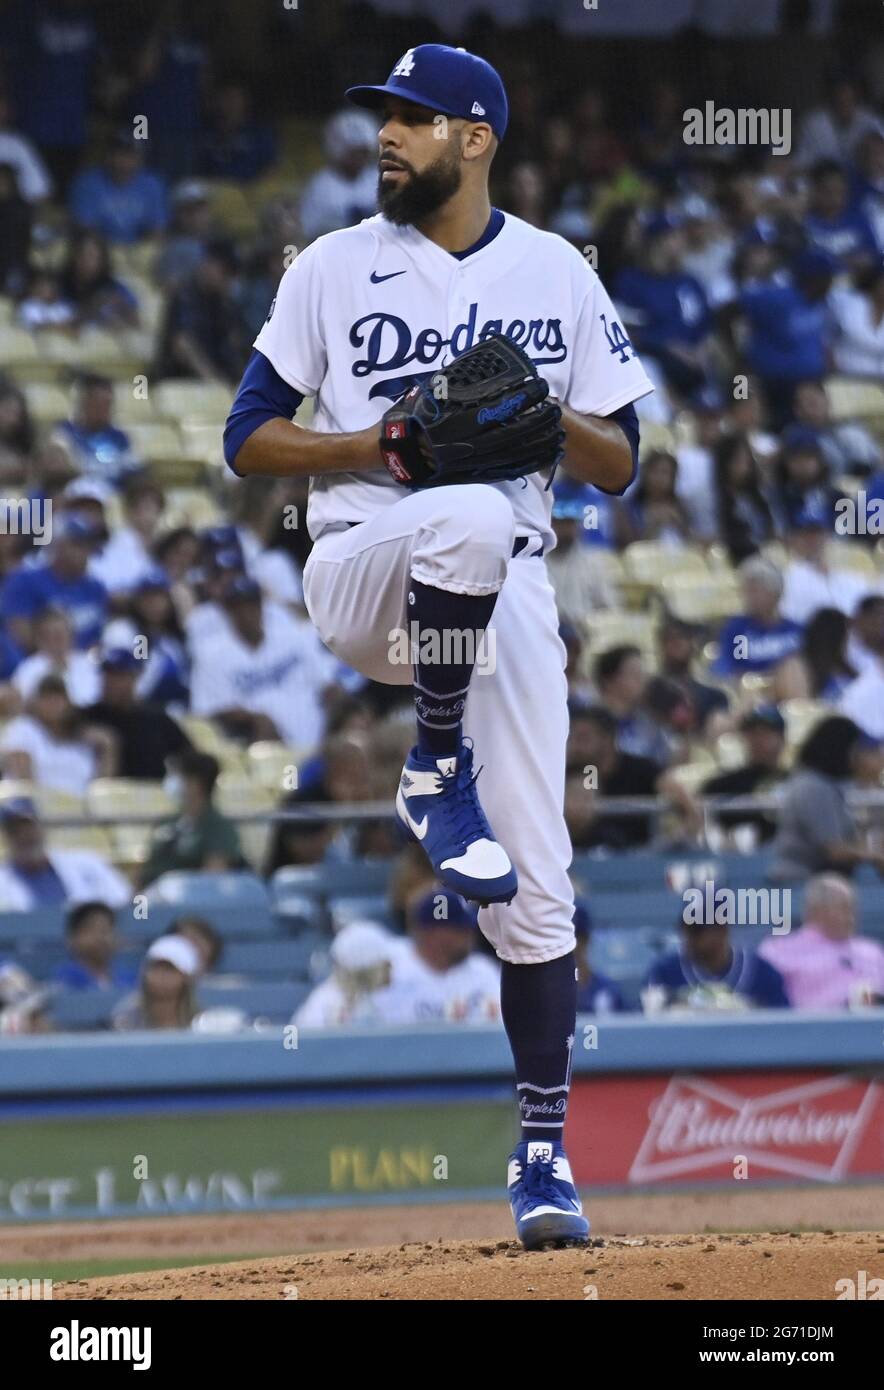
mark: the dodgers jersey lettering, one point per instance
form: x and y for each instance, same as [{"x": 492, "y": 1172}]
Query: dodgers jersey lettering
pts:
[{"x": 365, "y": 312}]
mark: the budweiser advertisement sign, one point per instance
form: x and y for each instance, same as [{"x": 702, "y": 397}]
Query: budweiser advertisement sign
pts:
[{"x": 643, "y": 1130}]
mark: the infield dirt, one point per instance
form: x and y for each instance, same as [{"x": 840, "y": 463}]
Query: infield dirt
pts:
[{"x": 465, "y": 1251}]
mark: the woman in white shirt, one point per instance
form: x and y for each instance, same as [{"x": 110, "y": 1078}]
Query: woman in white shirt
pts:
[
  {"x": 859, "y": 323},
  {"x": 55, "y": 656},
  {"x": 45, "y": 744}
]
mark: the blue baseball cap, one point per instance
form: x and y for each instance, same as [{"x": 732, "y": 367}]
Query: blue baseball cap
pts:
[
  {"x": 119, "y": 659},
  {"x": 449, "y": 80}
]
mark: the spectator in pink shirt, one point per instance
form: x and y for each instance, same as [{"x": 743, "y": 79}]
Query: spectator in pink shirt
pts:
[{"x": 825, "y": 965}]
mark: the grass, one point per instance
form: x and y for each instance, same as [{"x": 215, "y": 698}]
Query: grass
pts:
[{"x": 60, "y": 1270}]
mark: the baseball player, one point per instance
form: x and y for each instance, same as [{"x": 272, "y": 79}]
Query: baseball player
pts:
[{"x": 455, "y": 354}]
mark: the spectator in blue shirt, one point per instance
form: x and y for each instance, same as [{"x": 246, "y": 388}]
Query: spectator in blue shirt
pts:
[
  {"x": 236, "y": 147},
  {"x": 835, "y": 225},
  {"x": 666, "y": 309},
  {"x": 789, "y": 329},
  {"x": 119, "y": 198},
  {"x": 53, "y": 72},
  {"x": 91, "y": 939},
  {"x": 709, "y": 972},
  {"x": 96, "y": 446},
  {"x": 62, "y": 582},
  {"x": 759, "y": 638},
  {"x": 596, "y": 994}
]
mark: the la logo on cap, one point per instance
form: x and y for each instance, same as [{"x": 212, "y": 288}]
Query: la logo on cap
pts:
[{"x": 405, "y": 66}]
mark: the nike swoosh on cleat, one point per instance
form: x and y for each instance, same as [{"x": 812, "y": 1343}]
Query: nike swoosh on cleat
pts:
[
  {"x": 419, "y": 829},
  {"x": 379, "y": 279}
]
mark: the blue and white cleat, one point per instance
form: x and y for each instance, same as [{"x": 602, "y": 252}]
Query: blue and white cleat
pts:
[
  {"x": 544, "y": 1201},
  {"x": 438, "y": 802}
]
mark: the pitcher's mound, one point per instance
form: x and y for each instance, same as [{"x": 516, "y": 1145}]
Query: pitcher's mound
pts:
[{"x": 793, "y": 1266}]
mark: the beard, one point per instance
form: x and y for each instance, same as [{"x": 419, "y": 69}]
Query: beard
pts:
[{"x": 422, "y": 193}]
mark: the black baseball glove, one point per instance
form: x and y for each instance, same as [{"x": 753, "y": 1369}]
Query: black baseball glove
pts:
[{"x": 482, "y": 419}]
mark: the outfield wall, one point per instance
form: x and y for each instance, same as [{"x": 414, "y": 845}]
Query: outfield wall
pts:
[{"x": 103, "y": 1125}]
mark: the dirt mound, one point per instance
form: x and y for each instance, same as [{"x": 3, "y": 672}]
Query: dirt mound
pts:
[{"x": 792, "y": 1266}]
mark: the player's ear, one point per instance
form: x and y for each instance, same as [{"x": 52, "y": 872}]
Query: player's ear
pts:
[{"x": 478, "y": 139}]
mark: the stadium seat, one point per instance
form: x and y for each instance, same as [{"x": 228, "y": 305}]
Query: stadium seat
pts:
[
  {"x": 116, "y": 798},
  {"x": 190, "y": 506},
  {"x": 77, "y": 1010},
  {"x": 47, "y": 402},
  {"x": 294, "y": 957},
  {"x": 692, "y": 775},
  {"x": 238, "y": 795},
  {"x": 655, "y": 436},
  {"x": 229, "y": 888},
  {"x": 130, "y": 409},
  {"x": 17, "y": 346},
  {"x": 801, "y": 716},
  {"x": 37, "y": 924},
  {"x": 203, "y": 402},
  {"x": 275, "y": 765},
  {"x": 205, "y": 736},
  {"x": 204, "y": 443},
  {"x": 349, "y": 907},
  {"x": 730, "y": 751},
  {"x": 330, "y": 879},
  {"x": 273, "y": 1003},
  {"x": 696, "y": 598},
  {"x": 155, "y": 442},
  {"x": 647, "y": 562},
  {"x": 605, "y": 630},
  {"x": 853, "y": 556},
  {"x": 850, "y": 399}
]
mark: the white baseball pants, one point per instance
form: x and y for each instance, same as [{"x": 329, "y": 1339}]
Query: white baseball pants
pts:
[{"x": 461, "y": 538}]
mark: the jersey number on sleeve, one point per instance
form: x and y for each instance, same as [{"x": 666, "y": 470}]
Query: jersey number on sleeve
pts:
[{"x": 617, "y": 338}]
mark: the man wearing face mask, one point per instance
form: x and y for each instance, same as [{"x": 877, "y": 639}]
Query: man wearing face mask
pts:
[{"x": 199, "y": 837}]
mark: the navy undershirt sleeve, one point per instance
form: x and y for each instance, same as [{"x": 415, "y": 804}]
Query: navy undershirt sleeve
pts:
[
  {"x": 262, "y": 395},
  {"x": 627, "y": 419}
]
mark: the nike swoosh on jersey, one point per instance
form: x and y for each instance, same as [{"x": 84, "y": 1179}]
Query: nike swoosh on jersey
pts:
[{"x": 379, "y": 279}]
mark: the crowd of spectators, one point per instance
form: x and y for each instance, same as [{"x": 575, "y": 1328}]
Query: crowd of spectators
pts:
[{"x": 138, "y": 645}]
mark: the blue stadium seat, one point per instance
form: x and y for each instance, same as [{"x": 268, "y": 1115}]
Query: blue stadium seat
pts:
[
  {"x": 227, "y": 889},
  {"x": 293, "y": 957},
  {"x": 323, "y": 880},
  {"x": 42, "y": 924},
  {"x": 347, "y": 907},
  {"x": 74, "y": 1009},
  {"x": 276, "y": 1002},
  {"x": 236, "y": 904}
]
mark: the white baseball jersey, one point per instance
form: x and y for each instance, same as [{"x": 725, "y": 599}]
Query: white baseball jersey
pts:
[{"x": 365, "y": 312}]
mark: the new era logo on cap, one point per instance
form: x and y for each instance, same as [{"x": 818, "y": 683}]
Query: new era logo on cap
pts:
[{"x": 477, "y": 110}]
